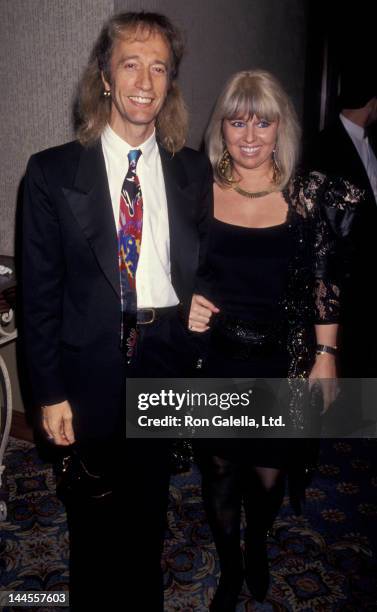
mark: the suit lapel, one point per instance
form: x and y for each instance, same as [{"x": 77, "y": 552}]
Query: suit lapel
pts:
[
  {"x": 91, "y": 206},
  {"x": 182, "y": 229},
  {"x": 373, "y": 138}
]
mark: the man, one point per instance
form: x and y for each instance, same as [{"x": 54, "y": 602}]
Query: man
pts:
[
  {"x": 114, "y": 227},
  {"x": 348, "y": 148}
]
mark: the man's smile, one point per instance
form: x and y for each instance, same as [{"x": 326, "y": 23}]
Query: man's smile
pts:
[{"x": 143, "y": 100}]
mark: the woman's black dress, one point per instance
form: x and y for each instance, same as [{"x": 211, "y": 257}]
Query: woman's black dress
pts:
[{"x": 249, "y": 269}]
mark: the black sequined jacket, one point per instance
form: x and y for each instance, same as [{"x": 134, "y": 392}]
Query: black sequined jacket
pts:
[{"x": 321, "y": 212}]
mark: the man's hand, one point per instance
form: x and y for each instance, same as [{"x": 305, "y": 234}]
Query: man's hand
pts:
[
  {"x": 200, "y": 313},
  {"x": 57, "y": 423}
]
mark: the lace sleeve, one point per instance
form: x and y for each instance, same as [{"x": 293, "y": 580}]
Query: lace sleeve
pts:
[{"x": 333, "y": 216}]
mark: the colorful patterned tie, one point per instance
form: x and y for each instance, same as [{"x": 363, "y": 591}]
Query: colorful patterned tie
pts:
[{"x": 129, "y": 241}]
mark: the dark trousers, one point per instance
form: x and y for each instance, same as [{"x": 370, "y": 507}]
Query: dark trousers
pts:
[
  {"x": 163, "y": 350},
  {"x": 96, "y": 531},
  {"x": 116, "y": 542}
]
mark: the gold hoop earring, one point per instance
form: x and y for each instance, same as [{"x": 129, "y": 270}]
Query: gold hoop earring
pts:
[{"x": 224, "y": 167}]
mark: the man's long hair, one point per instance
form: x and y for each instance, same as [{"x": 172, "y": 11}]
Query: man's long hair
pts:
[{"x": 94, "y": 108}]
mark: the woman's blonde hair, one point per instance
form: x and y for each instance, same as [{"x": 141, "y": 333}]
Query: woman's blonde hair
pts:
[
  {"x": 249, "y": 93},
  {"x": 94, "y": 108}
]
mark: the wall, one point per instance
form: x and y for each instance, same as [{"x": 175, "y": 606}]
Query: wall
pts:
[{"x": 44, "y": 45}]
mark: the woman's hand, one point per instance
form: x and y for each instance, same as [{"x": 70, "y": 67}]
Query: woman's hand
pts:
[
  {"x": 201, "y": 312},
  {"x": 324, "y": 374}
]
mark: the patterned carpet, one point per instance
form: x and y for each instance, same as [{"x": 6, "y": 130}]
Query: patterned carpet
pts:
[{"x": 322, "y": 562}]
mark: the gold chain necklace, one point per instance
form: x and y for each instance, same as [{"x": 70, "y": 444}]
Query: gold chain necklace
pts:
[{"x": 252, "y": 194}]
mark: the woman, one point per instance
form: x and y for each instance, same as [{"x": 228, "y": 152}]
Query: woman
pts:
[{"x": 274, "y": 306}]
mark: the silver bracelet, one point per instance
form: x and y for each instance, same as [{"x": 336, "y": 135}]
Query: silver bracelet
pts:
[{"x": 324, "y": 348}]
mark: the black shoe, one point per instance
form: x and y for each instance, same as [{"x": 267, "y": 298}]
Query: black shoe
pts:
[
  {"x": 257, "y": 573},
  {"x": 228, "y": 590}
]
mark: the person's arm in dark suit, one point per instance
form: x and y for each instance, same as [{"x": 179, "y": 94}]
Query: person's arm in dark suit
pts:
[
  {"x": 203, "y": 277},
  {"x": 201, "y": 307},
  {"x": 42, "y": 290}
]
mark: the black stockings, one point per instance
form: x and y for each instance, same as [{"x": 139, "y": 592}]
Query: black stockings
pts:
[
  {"x": 222, "y": 496},
  {"x": 226, "y": 484},
  {"x": 263, "y": 493}
]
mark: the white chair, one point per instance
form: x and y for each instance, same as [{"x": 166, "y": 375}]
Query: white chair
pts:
[{"x": 5, "y": 423}]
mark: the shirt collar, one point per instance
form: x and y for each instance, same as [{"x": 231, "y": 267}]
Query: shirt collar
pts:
[
  {"x": 355, "y": 131},
  {"x": 121, "y": 148}
]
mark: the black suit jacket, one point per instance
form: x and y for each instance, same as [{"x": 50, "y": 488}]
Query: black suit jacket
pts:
[
  {"x": 70, "y": 279},
  {"x": 334, "y": 154}
]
